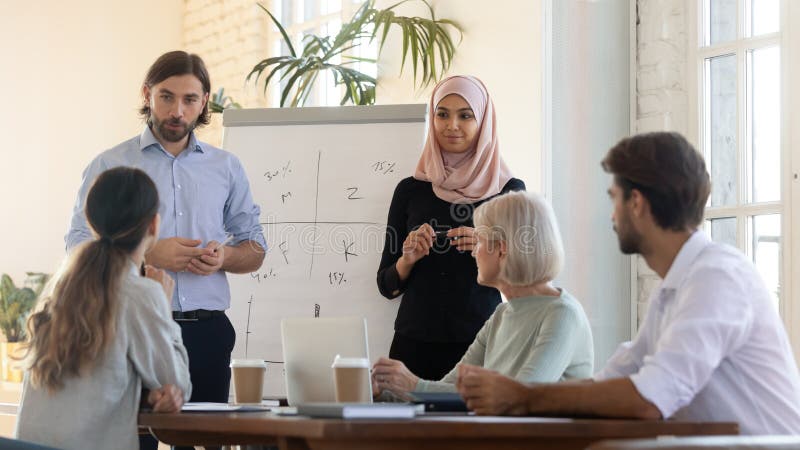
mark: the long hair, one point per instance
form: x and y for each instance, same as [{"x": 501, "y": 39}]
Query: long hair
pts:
[{"x": 74, "y": 325}]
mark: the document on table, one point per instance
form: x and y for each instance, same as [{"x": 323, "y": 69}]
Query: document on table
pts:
[
  {"x": 358, "y": 410},
  {"x": 227, "y": 407}
]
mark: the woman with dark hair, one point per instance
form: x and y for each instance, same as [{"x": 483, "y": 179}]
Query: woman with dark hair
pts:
[{"x": 105, "y": 331}]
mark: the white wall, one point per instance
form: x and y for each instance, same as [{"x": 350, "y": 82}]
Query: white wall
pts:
[
  {"x": 71, "y": 77},
  {"x": 590, "y": 113},
  {"x": 502, "y": 46}
]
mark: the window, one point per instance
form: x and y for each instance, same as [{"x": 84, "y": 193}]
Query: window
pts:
[
  {"x": 741, "y": 132},
  {"x": 323, "y": 18}
]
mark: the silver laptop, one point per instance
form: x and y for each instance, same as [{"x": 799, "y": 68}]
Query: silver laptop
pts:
[{"x": 309, "y": 346}]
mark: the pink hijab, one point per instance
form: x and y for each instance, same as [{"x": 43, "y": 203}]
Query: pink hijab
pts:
[{"x": 476, "y": 174}]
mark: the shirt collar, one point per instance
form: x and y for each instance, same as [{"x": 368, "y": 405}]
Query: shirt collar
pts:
[
  {"x": 146, "y": 139},
  {"x": 133, "y": 269},
  {"x": 698, "y": 241}
]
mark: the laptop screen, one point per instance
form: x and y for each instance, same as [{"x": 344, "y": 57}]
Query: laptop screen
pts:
[{"x": 309, "y": 347}]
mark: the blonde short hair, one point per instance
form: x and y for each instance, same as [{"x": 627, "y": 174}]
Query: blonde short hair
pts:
[{"x": 527, "y": 223}]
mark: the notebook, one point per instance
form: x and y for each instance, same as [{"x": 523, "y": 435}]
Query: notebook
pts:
[{"x": 358, "y": 410}]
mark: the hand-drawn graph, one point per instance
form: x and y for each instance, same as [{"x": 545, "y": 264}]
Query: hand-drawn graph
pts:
[
  {"x": 324, "y": 191},
  {"x": 348, "y": 246}
]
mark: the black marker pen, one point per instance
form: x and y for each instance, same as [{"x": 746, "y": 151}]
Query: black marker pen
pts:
[{"x": 443, "y": 235}]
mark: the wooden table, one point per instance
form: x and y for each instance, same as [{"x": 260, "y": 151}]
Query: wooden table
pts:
[{"x": 422, "y": 433}]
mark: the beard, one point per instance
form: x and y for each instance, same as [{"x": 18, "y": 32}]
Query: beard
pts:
[
  {"x": 629, "y": 239},
  {"x": 172, "y": 135}
]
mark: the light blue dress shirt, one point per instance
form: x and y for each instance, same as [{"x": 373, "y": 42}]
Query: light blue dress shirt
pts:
[{"x": 204, "y": 194}]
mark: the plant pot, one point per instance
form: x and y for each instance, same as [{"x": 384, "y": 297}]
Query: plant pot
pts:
[{"x": 11, "y": 368}]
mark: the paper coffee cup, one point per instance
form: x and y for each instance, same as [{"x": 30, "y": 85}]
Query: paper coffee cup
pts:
[
  {"x": 351, "y": 380},
  {"x": 248, "y": 380}
]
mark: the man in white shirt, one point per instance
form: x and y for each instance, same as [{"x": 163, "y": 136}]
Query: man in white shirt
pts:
[{"x": 712, "y": 346}]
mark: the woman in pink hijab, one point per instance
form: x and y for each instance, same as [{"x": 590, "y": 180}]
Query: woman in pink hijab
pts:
[{"x": 429, "y": 237}]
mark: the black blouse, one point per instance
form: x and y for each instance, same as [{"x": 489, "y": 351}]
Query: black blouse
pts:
[{"x": 442, "y": 300}]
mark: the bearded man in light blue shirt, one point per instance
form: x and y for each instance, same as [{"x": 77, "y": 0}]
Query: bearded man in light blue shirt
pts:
[{"x": 205, "y": 198}]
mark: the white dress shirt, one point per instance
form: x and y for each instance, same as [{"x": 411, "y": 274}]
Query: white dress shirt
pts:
[{"x": 712, "y": 346}]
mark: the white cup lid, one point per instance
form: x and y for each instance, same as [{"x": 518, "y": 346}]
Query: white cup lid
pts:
[
  {"x": 257, "y": 363},
  {"x": 338, "y": 361}
]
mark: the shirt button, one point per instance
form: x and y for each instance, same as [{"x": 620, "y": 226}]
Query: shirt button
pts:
[
  {"x": 178, "y": 186},
  {"x": 183, "y": 299},
  {"x": 180, "y": 213}
]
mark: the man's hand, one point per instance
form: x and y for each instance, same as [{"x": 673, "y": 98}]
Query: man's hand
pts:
[
  {"x": 162, "y": 278},
  {"x": 392, "y": 375},
  {"x": 175, "y": 254},
  {"x": 489, "y": 393},
  {"x": 166, "y": 399},
  {"x": 208, "y": 263}
]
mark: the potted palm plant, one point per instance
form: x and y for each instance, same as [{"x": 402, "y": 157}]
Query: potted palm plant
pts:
[
  {"x": 427, "y": 44},
  {"x": 15, "y": 305}
]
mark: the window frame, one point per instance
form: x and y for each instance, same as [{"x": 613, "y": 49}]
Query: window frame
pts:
[
  {"x": 349, "y": 7},
  {"x": 789, "y": 305}
]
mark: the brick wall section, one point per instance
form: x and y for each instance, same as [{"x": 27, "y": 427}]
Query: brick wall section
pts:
[
  {"x": 661, "y": 88},
  {"x": 231, "y": 36}
]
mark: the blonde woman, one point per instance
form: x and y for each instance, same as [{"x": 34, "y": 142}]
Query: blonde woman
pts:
[
  {"x": 541, "y": 334},
  {"x": 105, "y": 331}
]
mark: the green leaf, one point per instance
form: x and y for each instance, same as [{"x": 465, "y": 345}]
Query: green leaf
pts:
[
  {"x": 6, "y": 286},
  {"x": 23, "y": 300},
  {"x": 426, "y": 46},
  {"x": 383, "y": 37},
  {"x": 17, "y": 303},
  {"x": 292, "y": 66},
  {"x": 430, "y": 50},
  {"x": 259, "y": 68},
  {"x": 280, "y": 28},
  {"x": 220, "y": 102},
  {"x": 274, "y": 71},
  {"x": 307, "y": 88},
  {"x": 38, "y": 280},
  {"x": 360, "y": 59},
  {"x": 396, "y": 5},
  {"x": 414, "y": 52},
  {"x": 406, "y": 44},
  {"x": 289, "y": 85}
]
